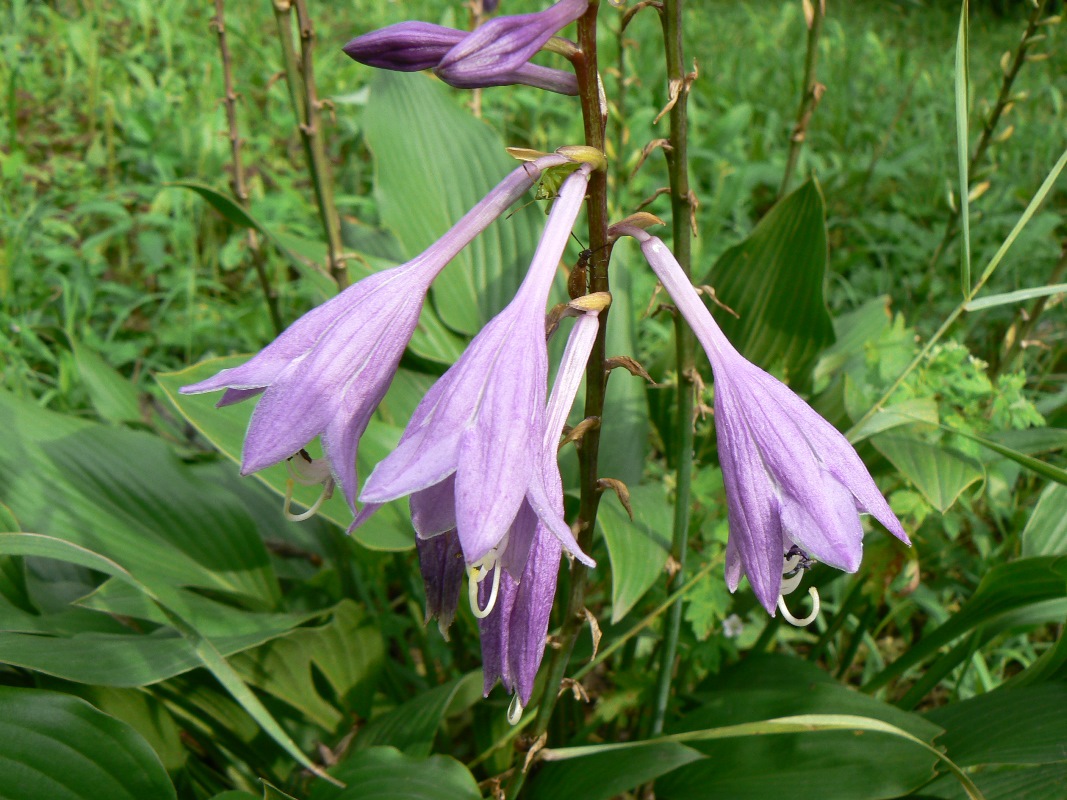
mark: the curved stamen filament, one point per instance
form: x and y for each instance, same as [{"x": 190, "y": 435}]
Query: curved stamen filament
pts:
[
  {"x": 789, "y": 585},
  {"x": 514, "y": 710},
  {"x": 800, "y": 623},
  {"x": 478, "y": 573},
  {"x": 324, "y": 495},
  {"x": 307, "y": 471}
]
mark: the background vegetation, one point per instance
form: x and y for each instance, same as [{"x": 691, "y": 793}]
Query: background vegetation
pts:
[{"x": 203, "y": 630}]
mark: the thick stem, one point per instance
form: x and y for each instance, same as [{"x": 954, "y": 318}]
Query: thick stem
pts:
[
  {"x": 300, "y": 75},
  {"x": 685, "y": 348},
  {"x": 594, "y": 118},
  {"x": 810, "y": 93},
  {"x": 237, "y": 183}
]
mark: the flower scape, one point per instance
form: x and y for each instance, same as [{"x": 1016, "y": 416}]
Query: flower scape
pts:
[{"x": 477, "y": 459}]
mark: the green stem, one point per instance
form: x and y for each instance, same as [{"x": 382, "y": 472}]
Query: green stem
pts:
[
  {"x": 685, "y": 347},
  {"x": 811, "y": 92}
]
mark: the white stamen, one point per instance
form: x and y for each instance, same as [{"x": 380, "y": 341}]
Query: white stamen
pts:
[
  {"x": 514, "y": 710},
  {"x": 478, "y": 573},
  {"x": 789, "y": 585},
  {"x": 800, "y": 623},
  {"x": 790, "y": 564},
  {"x": 324, "y": 495}
]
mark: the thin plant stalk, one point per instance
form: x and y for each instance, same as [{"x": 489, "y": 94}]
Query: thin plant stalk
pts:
[
  {"x": 1005, "y": 99},
  {"x": 811, "y": 93},
  {"x": 307, "y": 108},
  {"x": 684, "y": 343},
  {"x": 237, "y": 183}
]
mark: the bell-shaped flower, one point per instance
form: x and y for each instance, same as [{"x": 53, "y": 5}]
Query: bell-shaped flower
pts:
[
  {"x": 503, "y": 45},
  {"x": 414, "y": 46},
  {"x": 512, "y": 598},
  {"x": 327, "y": 372},
  {"x": 514, "y": 633},
  {"x": 469, "y": 451},
  {"x": 794, "y": 484}
]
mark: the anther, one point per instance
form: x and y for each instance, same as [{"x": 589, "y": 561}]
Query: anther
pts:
[
  {"x": 810, "y": 618},
  {"x": 514, "y": 710}
]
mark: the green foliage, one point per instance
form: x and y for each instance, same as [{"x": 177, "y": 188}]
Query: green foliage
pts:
[{"x": 164, "y": 632}]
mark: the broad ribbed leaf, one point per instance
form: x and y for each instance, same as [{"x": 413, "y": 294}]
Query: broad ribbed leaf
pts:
[
  {"x": 1045, "y": 533},
  {"x": 433, "y": 162},
  {"x": 638, "y": 548},
  {"x": 59, "y": 747},
  {"x": 347, "y": 652},
  {"x": 599, "y": 776},
  {"x": 941, "y": 474},
  {"x": 822, "y": 763},
  {"x": 389, "y": 529},
  {"x": 125, "y": 495},
  {"x": 113, "y": 397},
  {"x": 412, "y": 726},
  {"x": 1010, "y": 726},
  {"x": 384, "y": 773},
  {"x": 774, "y": 281}
]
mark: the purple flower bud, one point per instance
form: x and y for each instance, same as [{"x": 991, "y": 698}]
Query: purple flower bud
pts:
[
  {"x": 404, "y": 47},
  {"x": 793, "y": 482},
  {"x": 494, "y": 53},
  {"x": 414, "y": 46},
  {"x": 327, "y": 372}
]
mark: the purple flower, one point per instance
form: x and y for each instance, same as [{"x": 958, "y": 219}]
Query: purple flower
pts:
[
  {"x": 327, "y": 372},
  {"x": 794, "y": 484},
  {"x": 514, "y": 633},
  {"x": 513, "y": 598},
  {"x": 413, "y": 46},
  {"x": 503, "y": 45},
  {"x": 469, "y": 453}
]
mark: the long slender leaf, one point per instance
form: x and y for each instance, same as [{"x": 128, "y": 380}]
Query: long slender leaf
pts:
[
  {"x": 993, "y": 300},
  {"x": 962, "y": 82}
]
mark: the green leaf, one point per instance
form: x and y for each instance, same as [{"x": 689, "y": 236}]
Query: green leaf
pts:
[
  {"x": 993, "y": 300},
  {"x": 434, "y": 161},
  {"x": 243, "y": 219},
  {"x": 125, "y": 495},
  {"x": 348, "y": 653},
  {"x": 638, "y": 549},
  {"x": 384, "y": 773},
  {"x": 113, "y": 397},
  {"x": 389, "y": 529},
  {"x": 774, "y": 281},
  {"x": 818, "y": 753},
  {"x": 962, "y": 82},
  {"x": 941, "y": 474},
  {"x": 1009, "y": 726},
  {"x": 1006, "y": 588},
  {"x": 1045, "y": 533},
  {"x": 59, "y": 747},
  {"x": 1033, "y": 464},
  {"x": 603, "y": 775},
  {"x": 411, "y": 727},
  {"x": 921, "y": 410},
  {"x": 32, "y": 544}
]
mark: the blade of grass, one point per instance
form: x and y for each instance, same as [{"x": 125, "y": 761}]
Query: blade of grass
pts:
[{"x": 962, "y": 85}]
